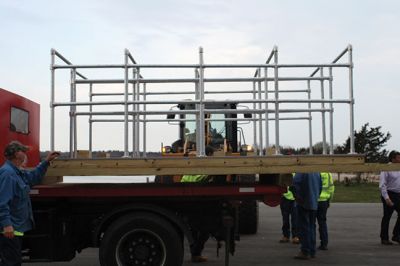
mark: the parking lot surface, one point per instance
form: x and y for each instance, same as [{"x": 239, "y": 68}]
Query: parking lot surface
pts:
[{"x": 353, "y": 232}]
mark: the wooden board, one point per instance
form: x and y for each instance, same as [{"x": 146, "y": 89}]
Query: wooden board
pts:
[{"x": 215, "y": 165}]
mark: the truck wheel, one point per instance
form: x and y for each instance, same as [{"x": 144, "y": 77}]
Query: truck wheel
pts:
[
  {"x": 141, "y": 239},
  {"x": 248, "y": 217}
]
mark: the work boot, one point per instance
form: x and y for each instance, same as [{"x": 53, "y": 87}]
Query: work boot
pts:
[
  {"x": 199, "y": 259},
  {"x": 284, "y": 239},
  {"x": 295, "y": 240},
  {"x": 386, "y": 242},
  {"x": 323, "y": 247},
  {"x": 396, "y": 239},
  {"x": 302, "y": 256}
]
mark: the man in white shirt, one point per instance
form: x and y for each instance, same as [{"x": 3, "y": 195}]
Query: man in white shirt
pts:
[{"x": 389, "y": 185}]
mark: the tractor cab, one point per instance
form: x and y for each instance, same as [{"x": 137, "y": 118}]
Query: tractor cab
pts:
[{"x": 221, "y": 131}]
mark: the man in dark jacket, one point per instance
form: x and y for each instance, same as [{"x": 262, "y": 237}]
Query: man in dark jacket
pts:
[
  {"x": 307, "y": 188},
  {"x": 15, "y": 205}
]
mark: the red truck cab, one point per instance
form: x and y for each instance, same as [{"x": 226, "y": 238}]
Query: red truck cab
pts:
[{"x": 20, "y": 120}]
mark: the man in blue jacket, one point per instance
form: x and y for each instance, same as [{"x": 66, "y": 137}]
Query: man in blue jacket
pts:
[
  {"x": 16, "y": 215},
  {"x": 307, "y": 188}
]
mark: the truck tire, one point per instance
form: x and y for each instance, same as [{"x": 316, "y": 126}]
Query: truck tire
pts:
[
  {"x": 141, "y": 239},
  {"x": 248, "y": 217}
]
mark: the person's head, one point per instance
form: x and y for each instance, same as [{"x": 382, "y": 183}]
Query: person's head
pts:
[
  {"x": 394, "y": 156},
  {"x": 15, "y": 152},
  {"x": 209, "y": 151}
]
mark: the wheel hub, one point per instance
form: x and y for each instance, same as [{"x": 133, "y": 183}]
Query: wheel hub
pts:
[{"x": 141, "y": 248}]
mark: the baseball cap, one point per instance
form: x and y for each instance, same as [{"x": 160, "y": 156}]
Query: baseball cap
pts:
[{"x": 14, "y": 147}]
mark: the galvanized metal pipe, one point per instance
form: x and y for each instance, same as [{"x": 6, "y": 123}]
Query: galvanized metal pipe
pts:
[
  {"x": 90, "y": 122},
  {"x": 72, "y": 117},
  {"x": 276, "y": 83},
  {"x": 194, "y": 120},
  {"x": 197, "y": 97},
  {"x": 254, "y": 121},
  {"x": 331, "y": 151},
  {"x": 193, "y": 80},
  {"x": 260, "y": 127},
  {"x": 126, "y": 128},
  {"x": 144, "y": 123},
  {"x": 309, "y": 119},
  {"x": 201, "y": 128},
  {"x": 266, "y": 106},
  {"x": 323, "y": 115},
  {"x": 352, "y": 148},
  {"x": 206, "y": 111},
  {"x": 191, "y": 92},
  {"x": 52, "y": 99},
  {"x": 137, "y": 107},
  {"x": 134, "y": 84},
  {"x": 122, "y": 66},
  {"x": 254, "y": 101}
]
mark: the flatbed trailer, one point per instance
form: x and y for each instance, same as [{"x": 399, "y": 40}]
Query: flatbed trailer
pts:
[{"x": 135, "y": 224}]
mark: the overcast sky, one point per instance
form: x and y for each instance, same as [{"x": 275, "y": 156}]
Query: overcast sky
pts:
[{"x": 170, "y": 31}]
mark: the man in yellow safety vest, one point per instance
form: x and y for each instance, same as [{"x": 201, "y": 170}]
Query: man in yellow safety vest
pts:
[
  {"x": 289, "y": 218},
  {"x": 325, "y": 197}
]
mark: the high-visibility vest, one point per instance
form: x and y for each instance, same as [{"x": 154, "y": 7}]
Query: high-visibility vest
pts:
[
  {"x": 288, "y": 195},
  {"x": 328, "y": 188},
  {"x": 193, "y": 178},
  {"x": 17, "y": 233}
]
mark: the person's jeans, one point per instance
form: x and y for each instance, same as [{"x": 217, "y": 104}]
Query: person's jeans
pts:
[
  {"x": 289, "y": 217},
  {"x": 10, "y": 251},
  {"x": 387, "y": 214},
  {"x": 322, "y": 225},
  {"x": 306, "y": 224}
]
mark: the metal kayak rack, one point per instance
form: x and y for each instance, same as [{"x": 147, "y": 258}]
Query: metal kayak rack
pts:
[{"x": 260, "y": 87}]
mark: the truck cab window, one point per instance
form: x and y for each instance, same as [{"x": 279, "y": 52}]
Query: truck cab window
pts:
[
  {"x": 190, "y": 128},
  {"x": 217, "y": 130},
  {"x": 19, "y": 121}
]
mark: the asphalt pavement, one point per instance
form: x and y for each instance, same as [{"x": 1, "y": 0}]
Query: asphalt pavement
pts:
[{"x": 353, "y": 232}]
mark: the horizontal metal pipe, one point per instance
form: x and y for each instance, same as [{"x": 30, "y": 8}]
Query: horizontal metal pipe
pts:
[
  {"x": 195, "y": 80},
  {"x": 211, "y": 111},
  {"x": 189, "y": 92},
  {"x": 205, "y": 102},
  {"x": 205, "y": 66},
  {"x": 192, "y": 120}
]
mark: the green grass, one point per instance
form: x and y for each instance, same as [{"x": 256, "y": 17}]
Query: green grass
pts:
[{"x": 361, "y": 193}]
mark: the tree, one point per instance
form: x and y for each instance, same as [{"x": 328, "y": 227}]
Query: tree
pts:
[{"x": 368, "y": 141}]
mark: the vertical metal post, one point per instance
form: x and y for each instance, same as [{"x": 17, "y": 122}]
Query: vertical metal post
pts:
[
  {"x": 72, "y": 116},
  {"x": 277, "y": 148},
  {"x": 134, "y": 84},
  {"x": 52, "y": 97},
  {"x": 201, "y": 146},
  {"x": 90, "y": 121},
  {"x": 144, "y": 121},
  {"x": 137, "y": 109},
  {"x": 197, "y": 97},
  {"x": 350, "y": 51},
  {"x": 309, "y": 118},
  {"x": 260, "y": 127},
  {"x": 266, "y": 111},
  {"x": 254, "y": 120},
  {"x": 331, "y": 111},
  {"x": 126, "y": 125},
  {"x": 321, "y": 70}
]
